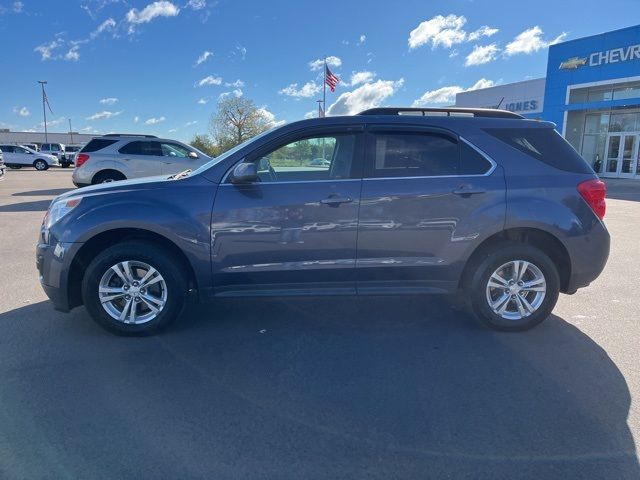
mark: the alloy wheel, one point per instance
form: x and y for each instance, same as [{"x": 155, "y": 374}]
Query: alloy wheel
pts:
[{"x": 516, "y": 290}]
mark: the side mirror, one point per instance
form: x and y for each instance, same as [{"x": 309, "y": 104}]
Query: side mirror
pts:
[
  {"x": 192, "y": 155},
  {"x": 244, "y": 173}
]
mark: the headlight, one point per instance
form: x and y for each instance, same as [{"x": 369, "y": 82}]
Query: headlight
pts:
[{"x": 58, "y": 209}]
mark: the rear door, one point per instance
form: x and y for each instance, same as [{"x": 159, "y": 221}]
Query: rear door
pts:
[
  {"x": 295, "y": 230},
  {"x": 143, "y": 158},
  {"x": 10, "y": 158},
  {"x": 427, "y": 196}
]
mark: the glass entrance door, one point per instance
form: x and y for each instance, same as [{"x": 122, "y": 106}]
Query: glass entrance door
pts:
[{"x": 622, "y": 155}]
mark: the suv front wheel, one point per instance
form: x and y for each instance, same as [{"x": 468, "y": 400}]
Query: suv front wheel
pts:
[
  {"x": 40, "y": 165},
  {"x": 514, "y": 287},
  {"x": 133, "y": 288}
]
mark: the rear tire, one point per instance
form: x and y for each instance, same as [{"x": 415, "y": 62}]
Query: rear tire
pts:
[
  {"x": 513, "y": 287},
  {"x": 106, "y": 177},
  {"x": 155, "y": 303},
  {"x": 40, "y": 165}
]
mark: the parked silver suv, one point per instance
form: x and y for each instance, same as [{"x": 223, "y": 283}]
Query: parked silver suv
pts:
[{"x": 119, "y": 157}]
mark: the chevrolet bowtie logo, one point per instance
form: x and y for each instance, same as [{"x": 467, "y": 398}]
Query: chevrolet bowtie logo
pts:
[{"x": 573, "y": 63}]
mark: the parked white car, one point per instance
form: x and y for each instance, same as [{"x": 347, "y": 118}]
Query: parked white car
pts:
[{"x": 18, "y": 156}]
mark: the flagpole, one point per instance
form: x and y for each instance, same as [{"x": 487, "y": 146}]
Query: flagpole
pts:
[
  {"x": 324, "y": 87},
  {"x": 44, "y": 111}
]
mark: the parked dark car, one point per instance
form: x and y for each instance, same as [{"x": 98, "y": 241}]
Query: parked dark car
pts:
[{"x": 482, "y": 203}]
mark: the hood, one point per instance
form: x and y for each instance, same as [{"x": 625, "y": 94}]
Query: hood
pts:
[{"x": 116, "y": 187}]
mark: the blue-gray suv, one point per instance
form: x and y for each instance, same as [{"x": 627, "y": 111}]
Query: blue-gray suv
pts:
[{"x": 480, "y": 203}]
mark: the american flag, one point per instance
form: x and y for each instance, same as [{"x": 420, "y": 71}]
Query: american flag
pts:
[{"x": 330, "y": 79}]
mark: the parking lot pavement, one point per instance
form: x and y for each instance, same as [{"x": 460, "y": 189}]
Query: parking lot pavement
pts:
[{"x": 316, "y": 388}]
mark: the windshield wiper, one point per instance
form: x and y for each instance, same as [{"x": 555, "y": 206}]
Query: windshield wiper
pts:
[{"x": 184, "y": 173}]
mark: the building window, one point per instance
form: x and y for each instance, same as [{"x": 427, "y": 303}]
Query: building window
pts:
[{"x": 605, "y": 93}]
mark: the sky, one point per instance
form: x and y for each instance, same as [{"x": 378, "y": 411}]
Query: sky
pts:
[{"x": 160, "y": 67}]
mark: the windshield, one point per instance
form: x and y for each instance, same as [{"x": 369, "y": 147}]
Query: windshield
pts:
[{"x": 228, "y": 153}]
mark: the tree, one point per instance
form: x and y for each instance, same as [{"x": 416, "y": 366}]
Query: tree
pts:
[
  {"x": 204, "y": 143},
  {"x": 236, "y": 120}
]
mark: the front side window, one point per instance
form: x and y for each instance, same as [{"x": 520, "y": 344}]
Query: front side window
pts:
[
  {"x": 21, "y": 150},
  {"x": 327, "y": 157},
  {"x": 414, "y": 155},
  {"x": 174, "y": 150}
]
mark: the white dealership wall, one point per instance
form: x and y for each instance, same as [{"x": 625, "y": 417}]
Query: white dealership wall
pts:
[
  {"x": 525, "y": 98},
  {"x": 7, "y": 136}
]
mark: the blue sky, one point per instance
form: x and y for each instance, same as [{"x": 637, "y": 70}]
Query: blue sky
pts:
[{"x": 160, "y": 66}]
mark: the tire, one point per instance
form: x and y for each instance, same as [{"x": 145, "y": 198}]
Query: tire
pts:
[
  {"x": 166, "y": 295},
  {"x": 65, "y": 165},
  {"x": 523, "y": 309},
  {"x": 106, "y": 177},
  {"x": 40, "y": 165}
]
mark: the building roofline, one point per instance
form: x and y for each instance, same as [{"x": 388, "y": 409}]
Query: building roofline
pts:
[{"x": 596, "y": 35}]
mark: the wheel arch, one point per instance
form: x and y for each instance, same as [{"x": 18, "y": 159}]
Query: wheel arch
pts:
[
  {"x": 541, "y": 239},
  {"x": 110, "y": 237},
  {"x": 107, "y": 171}
]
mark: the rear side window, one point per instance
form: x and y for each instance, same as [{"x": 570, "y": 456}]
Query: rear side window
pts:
[
  {"x": 142, "y": 148},
  {"x": 544, "y": 144},
  {"x": 97, "y": 144},
  {"x": 472, "y": 162},
  {"x": 414, "y": 155}
]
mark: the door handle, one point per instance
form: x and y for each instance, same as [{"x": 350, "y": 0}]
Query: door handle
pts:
[
  {"x": 335, "y": 200},
  {"x": 468, "y": 190}
]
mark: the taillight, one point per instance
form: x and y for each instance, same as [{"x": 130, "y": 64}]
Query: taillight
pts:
[
  {"x": 594, "y": 192},
  {"x": 81, "y": 158}
]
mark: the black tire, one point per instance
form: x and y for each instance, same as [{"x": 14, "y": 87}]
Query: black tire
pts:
[
  {"x": 40, "y": 165},
  {"x": 65, "y": 165},
  {"x": 141, "y": 251},
  {"x": 485, "y": 264},
  {"x": 106, "y": 177}
]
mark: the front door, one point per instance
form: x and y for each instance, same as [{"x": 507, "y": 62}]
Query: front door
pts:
[
  {"x": 622, "y": 155},
  {"x": 294, "y": 231}
]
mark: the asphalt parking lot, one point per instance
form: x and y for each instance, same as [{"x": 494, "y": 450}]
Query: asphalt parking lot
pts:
[{"x": 335, "y": 388}]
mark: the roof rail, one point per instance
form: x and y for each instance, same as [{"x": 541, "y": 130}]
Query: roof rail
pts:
[
  {"x": 128, "y": 135},
  {"x": 444, "y": 111}
]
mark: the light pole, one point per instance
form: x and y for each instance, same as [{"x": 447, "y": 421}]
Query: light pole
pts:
[
  {"x": 71, "y": 131},
  {"x": 44, "y": 110}
]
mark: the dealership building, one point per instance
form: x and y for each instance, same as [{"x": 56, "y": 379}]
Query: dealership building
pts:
[{"x": 592, "y": 94}]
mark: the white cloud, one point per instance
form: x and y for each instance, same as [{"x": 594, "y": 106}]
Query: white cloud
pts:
[
  {"x": 332, "y": 61},
  {"x": 154, "y": 120},
  {"x": 108, "y": 25},
  {"x": 439, "y": 30},
  {"x": 448, "y": 94},
  {"x": 136, "y": 119},
  {"x": 481, "y": 55},
  {"x": 203, "y": 101},
  {"x": 530, "y": 41},
  {"x": 153, "y": 10},
  {"x": 362, "y": 39},
  {"x": 108, "y": 100},
  {"x": 192, "y": 122},
  {"x": 270, "y": 118},
  {"x": 22, "y": 111},
  {"x": 104, "y": 115},
  {"x": 237, "y": 84},
  {"x": 209, "y": 80},
  {"x": 484, "y": 31},
  {"x": 311, "y": 114},
  {"x": 196, "y": 4},
  {"x": 361, "y": 77},
  {"x": 309, "y": 89},
  {"x": 172, "y": 130},
  {"x": 203, "y": 58},
  {"x": 239, "y": 51},
  {"x": 53, "y": 123},
  {"x": 73, "y": 55},
  {"x": 366, "y": 96},
  {"x": 236, "y": 93},
  {"x": 446, "y": 32},
  {"x": 47, "y": 50},
  {"x": 17, "y": 7}
]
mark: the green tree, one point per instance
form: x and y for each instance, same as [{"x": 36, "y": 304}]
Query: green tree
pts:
[
  {"x": 204, "y": 143},
  {"x": 237, "y": 119}
]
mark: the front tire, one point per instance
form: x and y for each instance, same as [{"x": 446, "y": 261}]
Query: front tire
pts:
[
  {"x": 513, "y": 287},
  {"x": 40, "y": 165},
  {"x": 133, "y": 288}
]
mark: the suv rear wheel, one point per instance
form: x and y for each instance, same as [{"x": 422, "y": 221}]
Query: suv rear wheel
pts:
[
  {"x": 107, "y": 176},
  {"x": 133, "y": 288},
  {"x": 40, "y": 165},
  {"x": 514, "y": 287}
]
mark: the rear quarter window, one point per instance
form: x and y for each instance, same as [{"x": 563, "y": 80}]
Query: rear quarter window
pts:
[
  {"x": 543, "y": 144},
  {"x": 97, "y": 144}
]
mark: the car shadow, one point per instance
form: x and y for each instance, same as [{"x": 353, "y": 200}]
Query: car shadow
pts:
[
  {"x": 53, "y": 192},
  {"x": 34, "y": 206},
  {"x": 311, "y": 388}
]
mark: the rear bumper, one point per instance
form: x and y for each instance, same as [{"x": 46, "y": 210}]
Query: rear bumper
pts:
[{"x": 589, "y": 255}]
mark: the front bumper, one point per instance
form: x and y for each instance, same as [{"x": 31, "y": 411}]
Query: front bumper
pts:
[{"x": 53, "y": 261}]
